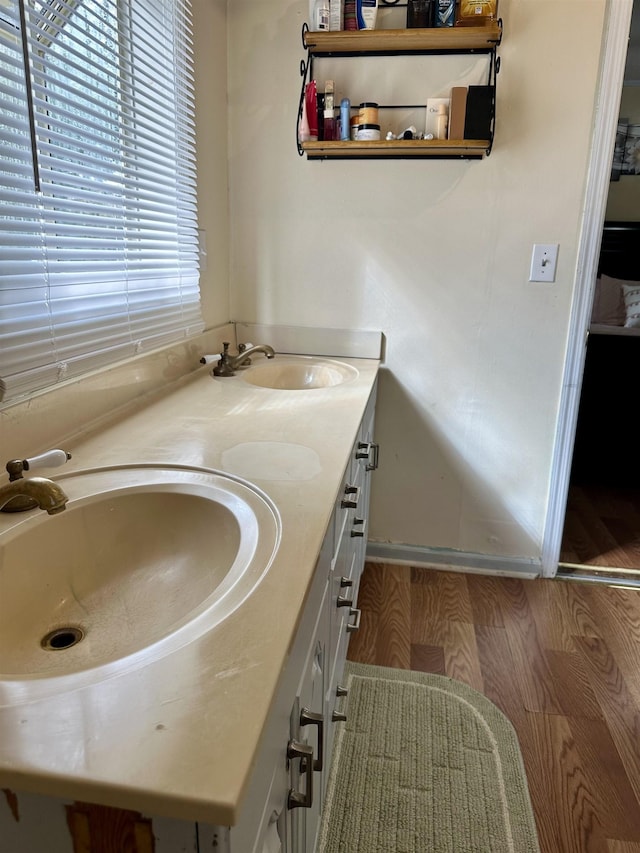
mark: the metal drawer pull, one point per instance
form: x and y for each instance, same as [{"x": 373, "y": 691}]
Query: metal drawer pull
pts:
[
  {"x": 310, "y": 718},
  {"x": 338, "y": 716},
  {"x": 376, "y": 457},
  {"x": 358, "y": 522},
  {"x": 355, "y": 626},
  {"x": 341, "y": 601},
  {"x": 352, "y": 496},
  {"x": 346, "y": 582},
  {"x": 303, "y": 751},
  {"x": 365, "y": 451}
]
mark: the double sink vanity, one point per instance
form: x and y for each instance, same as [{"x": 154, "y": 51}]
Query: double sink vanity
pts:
[{"x": 172, "y": 644}]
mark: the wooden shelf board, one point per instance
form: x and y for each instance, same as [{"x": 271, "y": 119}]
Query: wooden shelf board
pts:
[
  {"x": 378, "y": 41},
  {"x": 398, "y": 148}
]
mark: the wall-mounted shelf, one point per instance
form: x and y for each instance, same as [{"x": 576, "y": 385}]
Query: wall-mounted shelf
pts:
[
  {"x": 466, "y": 149},
  {"x": 446, "y": 40}
]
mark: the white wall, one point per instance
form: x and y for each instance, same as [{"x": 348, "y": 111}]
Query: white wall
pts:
[{"x": 436, "y": 255}]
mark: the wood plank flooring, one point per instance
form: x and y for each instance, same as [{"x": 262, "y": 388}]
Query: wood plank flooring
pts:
[
  {"x": 561, "y": 659},
  {"x": 602, "y": 527}
]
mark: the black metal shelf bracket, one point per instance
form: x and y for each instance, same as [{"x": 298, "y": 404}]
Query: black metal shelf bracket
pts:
[
  {"x": 494, "y": 69},
  {"x": 306, "y": 66}
]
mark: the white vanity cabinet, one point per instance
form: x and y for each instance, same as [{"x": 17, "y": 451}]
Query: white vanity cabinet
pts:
[
  {"x": 282, "y": 808},
  {"x": 317, "y": 659}
]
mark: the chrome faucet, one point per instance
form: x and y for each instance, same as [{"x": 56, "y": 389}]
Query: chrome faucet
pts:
[{"x": 20, "y": 495}]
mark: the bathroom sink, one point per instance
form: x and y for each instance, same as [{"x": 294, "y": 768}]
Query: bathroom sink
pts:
[
  {"x": 143, "y": 560},
  {"x": 299, "y": 373}
]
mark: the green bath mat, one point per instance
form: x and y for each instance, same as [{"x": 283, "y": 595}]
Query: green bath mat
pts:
[{"x": 424, "y": 764}]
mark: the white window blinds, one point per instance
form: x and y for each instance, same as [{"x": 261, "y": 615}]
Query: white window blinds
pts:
[{"x": 98, "y": 228}]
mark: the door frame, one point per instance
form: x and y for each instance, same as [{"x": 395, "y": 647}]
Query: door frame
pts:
[{"x": 614, "y": 53}]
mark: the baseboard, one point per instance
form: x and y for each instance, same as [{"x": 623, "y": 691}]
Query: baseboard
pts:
[{"x": 454, "y": 561}]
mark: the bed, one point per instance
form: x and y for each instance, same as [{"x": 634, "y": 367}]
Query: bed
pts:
[
  {"x": 616, "y": 302},
  {"x": 606, "y": 418}
]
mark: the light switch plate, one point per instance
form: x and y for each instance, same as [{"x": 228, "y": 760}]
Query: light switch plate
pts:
[{"x": 544, "y": 261}]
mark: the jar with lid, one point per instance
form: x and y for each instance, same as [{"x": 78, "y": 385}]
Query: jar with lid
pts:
[
  {"x": 368, "y": 132},
  {"x": 368, "y": 113}
]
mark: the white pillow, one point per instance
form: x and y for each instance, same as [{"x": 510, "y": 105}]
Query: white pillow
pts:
[
  {"x": 608, "y": 302},
  {"x": 631, "y": 292}
]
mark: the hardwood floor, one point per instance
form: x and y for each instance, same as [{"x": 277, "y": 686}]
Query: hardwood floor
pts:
[
  {"x": 561, "y": 659},
  {"x": 602, "y": 527}
]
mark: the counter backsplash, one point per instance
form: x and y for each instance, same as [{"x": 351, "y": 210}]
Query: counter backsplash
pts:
[{"x": 76, "y": 407}]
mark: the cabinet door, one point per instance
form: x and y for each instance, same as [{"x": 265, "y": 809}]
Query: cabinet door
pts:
[{"x": 308, "y": 728}]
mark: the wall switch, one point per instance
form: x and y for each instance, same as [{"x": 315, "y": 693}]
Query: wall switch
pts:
[{"x": 544, "y": 261}]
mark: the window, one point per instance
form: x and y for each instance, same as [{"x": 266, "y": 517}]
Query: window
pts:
[{"x": 98, "y": 226}]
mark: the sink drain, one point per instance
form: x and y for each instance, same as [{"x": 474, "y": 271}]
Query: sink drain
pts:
[{"x": 61, "y": 638}]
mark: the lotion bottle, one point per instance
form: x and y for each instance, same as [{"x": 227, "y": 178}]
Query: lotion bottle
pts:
[
  {"x": 366, "y": 13},
  {"x": 319, "y": 15}
]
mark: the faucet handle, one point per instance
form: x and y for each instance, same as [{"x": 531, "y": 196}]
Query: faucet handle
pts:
[
  {"x": 223, "y": 367},
  {"x": 49, "y": 459},
  {"x": 241, "y": 349}
]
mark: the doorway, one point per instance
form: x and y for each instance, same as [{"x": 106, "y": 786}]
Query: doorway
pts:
[
  {"x": 601, "y": 536},
  {"x": 593, "y": 529}
]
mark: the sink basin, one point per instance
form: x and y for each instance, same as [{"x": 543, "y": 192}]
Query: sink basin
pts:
[
  {"x": 299, "y": 373},
  {"x": 142, "y": 561}
]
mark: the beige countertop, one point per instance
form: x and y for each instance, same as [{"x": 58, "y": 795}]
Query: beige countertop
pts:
[{"x": 177, "y": 736}]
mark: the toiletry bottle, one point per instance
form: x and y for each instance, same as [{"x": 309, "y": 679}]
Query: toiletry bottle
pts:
[
  {"x": 322, "y": 14},
  {"x": 304, "y": 132},
  {"x": 320, "y": 115},
  {"x": 350, "y": 16},
  {"x": 366, "y": 11},
  {"x": 345, "y": 119},
  {"x": 329, "y": 117},
  {"x": 445, "y": 13},
  {"x": 336, "y": 18},
  {"x": 476, "y": 13},
  {"x": 311, "y": 101},
  {"x": 420, "y": 13},
  {"x": 329, "y": 125}
]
